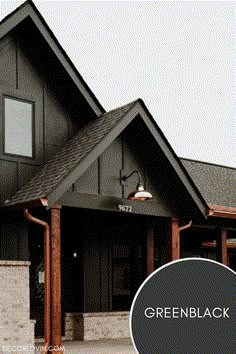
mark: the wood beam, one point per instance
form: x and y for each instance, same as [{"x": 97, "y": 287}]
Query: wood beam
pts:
[
  {"x": 173, "y": 241},
  {"x": 150, "y": 251},
  {"x": 212, "y": 244},
  {"x": 221, "y": 246},
  {"x": 56, "y": 276},
  {"x": 222, "y": 208},
  {"x": 222, "y": 214}
]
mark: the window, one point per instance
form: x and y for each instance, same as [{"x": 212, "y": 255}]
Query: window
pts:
[{"x": 18, "y": 129}]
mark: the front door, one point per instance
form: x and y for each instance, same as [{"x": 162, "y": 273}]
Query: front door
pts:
[{"x": 128, "y": 254}]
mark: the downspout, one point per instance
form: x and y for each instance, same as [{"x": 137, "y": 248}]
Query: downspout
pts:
[
  {"x": 184, "y": 227},
  {"x": 47, "y": 292}
]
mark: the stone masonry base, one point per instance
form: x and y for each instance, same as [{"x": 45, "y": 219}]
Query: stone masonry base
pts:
[
  {"x": 16, "y": 329},
  {"x": 97, "y": 325}
]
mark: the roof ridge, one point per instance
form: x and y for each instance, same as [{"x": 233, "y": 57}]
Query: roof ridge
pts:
[
  {"x": 207, "y": 163},
  {"x": 131, "y": 104}
]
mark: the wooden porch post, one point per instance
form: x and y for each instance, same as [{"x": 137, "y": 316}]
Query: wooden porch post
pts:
[
  {"x": 173, "y": 241},
  {"x": 150, "y": 251},
  {"x": 56, "y": 276},
  {"x": 221, "y": 246}
]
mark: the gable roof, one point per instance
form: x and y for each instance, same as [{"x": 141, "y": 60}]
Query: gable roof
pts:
[
  {"x": 216, "y": 183},
  {"x": 67, "y": 159},
  {"x": 84, "y": 148},
  {"x": 29, "y": 10}
]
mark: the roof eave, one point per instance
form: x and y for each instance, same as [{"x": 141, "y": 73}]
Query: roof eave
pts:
[
  {"x": 176, "y": 163},
  {"x": 40, "y": 202},
  {"x": 222, "y": 211}
]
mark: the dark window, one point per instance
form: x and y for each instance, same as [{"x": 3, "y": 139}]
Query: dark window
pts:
[{"x": 18, "y": 117}]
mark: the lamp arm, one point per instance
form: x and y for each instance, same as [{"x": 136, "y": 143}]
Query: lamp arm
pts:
[{"x": 131, "y": 174}]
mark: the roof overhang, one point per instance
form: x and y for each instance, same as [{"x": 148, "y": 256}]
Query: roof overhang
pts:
[
  {"x": 35, "y": 203},
  {"x": 222, "y": 211}
]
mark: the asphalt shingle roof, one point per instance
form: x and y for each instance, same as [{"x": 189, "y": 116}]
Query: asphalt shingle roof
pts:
[
  {"x": 217, "y": 184},
  {"x": 75, "y": 150}
]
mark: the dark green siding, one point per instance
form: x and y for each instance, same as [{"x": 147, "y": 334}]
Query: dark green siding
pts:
[
  {"x": 29, "y": 70},
  {"x": 100, "y": 186},
  {"x": 13, "y": 238}
]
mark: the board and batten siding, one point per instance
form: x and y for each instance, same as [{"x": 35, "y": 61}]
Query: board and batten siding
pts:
[
  {"x": 30, "y": 71},
  {"x": 100, "y": 187},
  {"x": 24, "y": 75}
]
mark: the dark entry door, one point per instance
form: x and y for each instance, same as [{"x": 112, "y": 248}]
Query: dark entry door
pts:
[
  {"x": 128, "y": 264},
  {"x": 111, "y": 263}
]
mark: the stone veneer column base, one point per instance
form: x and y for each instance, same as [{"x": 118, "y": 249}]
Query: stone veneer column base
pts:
[
  {"x": 97, "y": 325},
  {"x": 16, "y": 328}
]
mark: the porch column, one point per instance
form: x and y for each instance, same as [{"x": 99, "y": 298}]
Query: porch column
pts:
[
  {"x": 173, "y": 241},
  {"x": 221, "y": 246},
  {"x": 56, "y": 276},
  {"x": 150, "y": 250}
]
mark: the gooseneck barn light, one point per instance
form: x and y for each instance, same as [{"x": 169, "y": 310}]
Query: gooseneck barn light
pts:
[{"x": 139, "y": 194}]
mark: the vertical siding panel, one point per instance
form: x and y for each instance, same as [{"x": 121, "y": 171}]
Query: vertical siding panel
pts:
[
  {"x": 111, "y": 163},
  {"x": 56, "y": 124},
  {"x": 88, "y": 182},
  {"x": 105, "y": 270},
  {"x": 26, "y": 171},
  {"x": 23, "y": 240},
  {"x": 9, "y": 232},
  {"x": 92, "y": 267},
  {"x": 8, "y": 62},
  {"x": 29, "y": 78},
  {"x": 8, "y": 182},
  {"x": 130, "y": 164},
  {"x": 29, "y": 81}
]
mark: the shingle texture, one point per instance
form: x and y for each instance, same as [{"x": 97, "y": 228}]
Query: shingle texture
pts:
[
  {"x": 68, "y": 158},
  {"x": 217, "y": 184}
]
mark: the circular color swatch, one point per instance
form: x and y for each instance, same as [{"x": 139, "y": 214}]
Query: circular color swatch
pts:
[{"x": 186, "y": 307}]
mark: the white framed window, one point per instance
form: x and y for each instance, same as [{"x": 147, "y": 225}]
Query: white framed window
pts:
[{"x": 18, "y": 127}]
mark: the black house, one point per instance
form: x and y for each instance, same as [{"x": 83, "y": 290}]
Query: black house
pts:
[{"x": 63, "y": 163}]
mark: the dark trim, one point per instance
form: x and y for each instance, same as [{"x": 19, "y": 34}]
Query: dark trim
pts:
[
  {"x": 44, "y": 125},
  {"x": 99, "y": 175},
  {"x": 19, "y": 158},
  {"x": 173, "y": 158},
  {"x": 18, "y": 174},
  {"x": 22, "y": 96},
  {"x": 17, "y": 68},
  {"x": 123, "y": 163},
  {"x": 33, "y": 130},
  {"x": 89, "y": 201},
  {"x": 28, "y": 9}
]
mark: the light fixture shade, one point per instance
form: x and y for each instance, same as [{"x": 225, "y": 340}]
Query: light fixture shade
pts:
[{"x": 139, "y": 194}]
